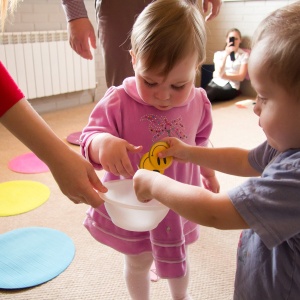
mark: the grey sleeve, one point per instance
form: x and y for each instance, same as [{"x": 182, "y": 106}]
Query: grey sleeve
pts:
[
  {"x": 270, "y": 204},
  {"x": 260, "y": 156},
  {"x": 74, "y": 9}
]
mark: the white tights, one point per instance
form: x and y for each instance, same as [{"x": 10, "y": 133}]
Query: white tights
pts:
[{"x": 137, "y": 277}]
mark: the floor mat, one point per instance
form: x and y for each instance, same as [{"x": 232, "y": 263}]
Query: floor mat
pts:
[
  {"x": 20, "y": 196},
  {"x": 74, "y": 138},
  {"x": 34, "y": 255},
  {"x": 27, "y": 163}
]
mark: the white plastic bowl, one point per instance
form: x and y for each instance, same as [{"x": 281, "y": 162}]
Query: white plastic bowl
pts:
[{"x": 127, "y": 212}]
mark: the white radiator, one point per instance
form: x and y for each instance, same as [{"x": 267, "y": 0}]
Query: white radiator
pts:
[{"x": 43, "y": 63}]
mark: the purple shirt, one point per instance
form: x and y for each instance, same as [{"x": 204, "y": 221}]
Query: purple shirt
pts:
[
  {"x": 123, "y": 113},
  {"x": 268, "y": 258}
]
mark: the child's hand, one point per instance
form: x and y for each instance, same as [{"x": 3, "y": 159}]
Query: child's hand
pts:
[
  {"x": 113, "y": 155},
  {"x": 211, "y": 183},
  {"x": 178, "y": 149},
  {"x": 142, "y": 183}
]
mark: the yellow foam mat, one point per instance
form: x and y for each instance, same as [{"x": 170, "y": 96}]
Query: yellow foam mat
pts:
[{"x": 20, "y": 196}]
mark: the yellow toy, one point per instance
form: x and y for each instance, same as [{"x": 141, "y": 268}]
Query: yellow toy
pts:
[{"x": 150, "y": 160}]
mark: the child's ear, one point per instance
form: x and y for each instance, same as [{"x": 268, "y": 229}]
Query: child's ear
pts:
[{"x": 133, "y": 58}]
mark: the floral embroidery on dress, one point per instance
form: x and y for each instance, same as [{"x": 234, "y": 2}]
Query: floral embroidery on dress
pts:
[{"x": 160, "y": 126}]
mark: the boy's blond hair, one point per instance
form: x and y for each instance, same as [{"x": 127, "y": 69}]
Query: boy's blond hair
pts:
[
  {"x": 166, "y": 32},
  {"x": 280, "y": 31}
]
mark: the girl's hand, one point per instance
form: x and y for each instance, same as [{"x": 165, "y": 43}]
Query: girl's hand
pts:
[
  {"x": 211, "y": 183},
  {"x": 113, "y": 155}
]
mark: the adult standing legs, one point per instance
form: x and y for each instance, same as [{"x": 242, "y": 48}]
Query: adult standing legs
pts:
[{"x": 115, "y": 20}]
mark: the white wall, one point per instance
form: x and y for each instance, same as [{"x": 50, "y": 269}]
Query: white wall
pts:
[
  {"x": 244, "y": 15},
  {"x": 42, "y": 15}
]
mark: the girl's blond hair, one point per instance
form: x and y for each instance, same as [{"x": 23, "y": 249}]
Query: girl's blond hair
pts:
[
  {"x": 7, "y": 7},
  {"x": 166, "y": 32},
  {"x": 280, "y": 35},
  {"x": 234, "y": 30}
]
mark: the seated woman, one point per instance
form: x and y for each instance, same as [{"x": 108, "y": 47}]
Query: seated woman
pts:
[{"x": 231, "y": 67}]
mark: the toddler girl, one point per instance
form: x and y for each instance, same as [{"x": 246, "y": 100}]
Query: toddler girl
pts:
[{"x": 168, "y": 45}]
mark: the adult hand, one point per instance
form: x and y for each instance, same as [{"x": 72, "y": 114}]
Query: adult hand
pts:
[
  {"x": 217, "y": 74},
  {"x": 77, "y": 178},
  {"x": 229, "y": 48},
  {"x": 215, "y": 8},
  {"x": 81, "y": 36}
]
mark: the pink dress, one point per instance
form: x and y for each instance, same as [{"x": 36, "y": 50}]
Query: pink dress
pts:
[{"x": 123, "y": 113}]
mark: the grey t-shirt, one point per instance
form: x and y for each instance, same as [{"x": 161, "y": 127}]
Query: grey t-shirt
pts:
[{"x": 268, "y": 257}]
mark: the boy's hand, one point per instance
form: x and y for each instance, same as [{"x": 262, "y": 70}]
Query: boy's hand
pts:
[
  {"x": 178, "y": 149},
  {"x": 113, "y": 156},
  {"x": 142, "y": 184}
]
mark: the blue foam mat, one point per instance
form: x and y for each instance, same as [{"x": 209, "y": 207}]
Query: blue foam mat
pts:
[{"x": 32, "y": 256}]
